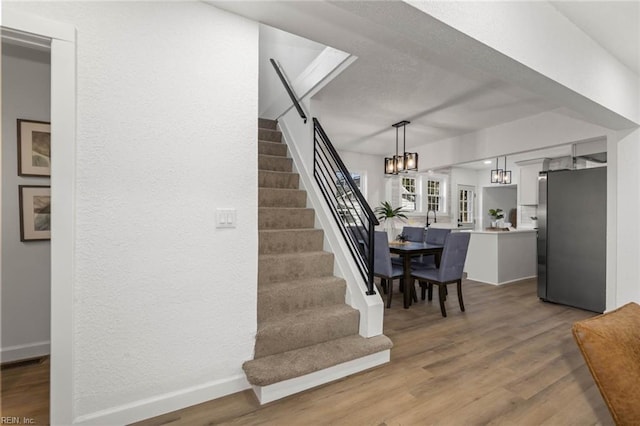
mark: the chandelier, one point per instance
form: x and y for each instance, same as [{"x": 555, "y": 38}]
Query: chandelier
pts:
[
  {"x": 501, "y": 175},
  {"x": 408, "y": 161}
]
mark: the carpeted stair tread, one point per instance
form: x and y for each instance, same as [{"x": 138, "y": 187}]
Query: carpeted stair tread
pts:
[
  {"x": 287, "y": 297},
  {"x": 304, "y": 324},
  {"x": 273, "y": 241},
  {"x": 265, "y": 123},
  {"x": 269, "y": 135},
  {"x": 283, "y": 366},
  {"x": 285, "y": 218},
  {"x": 305, "y": 328},
  {"x": 281, "y": 197},
  {"x": 272, "y": 148},
  {"x": 277, "y": 179},
  {"x": 293, "y": 266},
  {"x": 275, "y": 163}
]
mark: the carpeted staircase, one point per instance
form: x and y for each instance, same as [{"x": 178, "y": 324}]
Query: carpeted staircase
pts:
[{"x": 304, "y": 325}]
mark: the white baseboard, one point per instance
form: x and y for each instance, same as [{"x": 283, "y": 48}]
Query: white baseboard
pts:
[
  {"x": 18, "y": 352},
  {"x": 502, "y": 282},
  {"x": 280, "y": 390},
  {"x": 166, "y": 403}
]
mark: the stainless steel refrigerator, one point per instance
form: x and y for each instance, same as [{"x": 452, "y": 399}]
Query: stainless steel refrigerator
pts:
[{"x": 572, "y": 237}]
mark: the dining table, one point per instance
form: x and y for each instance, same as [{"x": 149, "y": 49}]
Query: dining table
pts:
[{"x": 407, "y": 250}]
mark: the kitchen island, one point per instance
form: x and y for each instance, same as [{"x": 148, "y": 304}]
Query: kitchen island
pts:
[{"x": 500, "y": 257}]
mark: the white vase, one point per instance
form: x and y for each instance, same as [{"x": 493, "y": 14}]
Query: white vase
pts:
[
  {"x": 390, "y": 228},
  {"x": 534, "y": 223}
]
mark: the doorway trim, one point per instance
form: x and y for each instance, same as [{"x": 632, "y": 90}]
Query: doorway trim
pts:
[{"x": 63, "y": 170}]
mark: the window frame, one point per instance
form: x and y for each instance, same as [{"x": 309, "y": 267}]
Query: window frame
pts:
[
  {"x": 394, "y": 189},
  {"x": 404, "y": 191}
]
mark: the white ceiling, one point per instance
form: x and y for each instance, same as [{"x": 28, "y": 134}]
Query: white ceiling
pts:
[
  {"x": 397, "y": 77},
  {"x": 615, "y": 25}
]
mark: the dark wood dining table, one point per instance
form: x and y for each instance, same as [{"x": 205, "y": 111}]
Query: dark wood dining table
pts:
[{"x": 407, "y": 250}]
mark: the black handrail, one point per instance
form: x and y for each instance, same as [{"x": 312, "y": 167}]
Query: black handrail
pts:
[
  {"x": 289, "y": 90},
  {"x": 351, "y": 211}
]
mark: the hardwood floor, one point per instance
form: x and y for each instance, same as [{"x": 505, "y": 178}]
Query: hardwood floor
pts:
[
  {"x": 508, "y": 360},
  {"x": 25, "y": 391}
]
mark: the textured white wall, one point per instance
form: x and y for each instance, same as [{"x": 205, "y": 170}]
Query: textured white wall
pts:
[
  {"x": 26, "y": 272},
  {"x": 165, "y": 303}
]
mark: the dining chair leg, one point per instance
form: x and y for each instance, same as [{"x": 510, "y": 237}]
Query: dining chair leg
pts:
[
  {"x": 383, "y": 284},
  {"x": 430, "y": 291},
  {"x": 414, "y": 295},
  {"x": 423, "y": 289},
  {"x": 441, "y": 291},
  {"x": 389, "y": 293},
  {"x": 460, "y": 295}
]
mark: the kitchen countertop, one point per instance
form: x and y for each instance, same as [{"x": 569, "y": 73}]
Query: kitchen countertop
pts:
[{"x": 515, "y": 231}]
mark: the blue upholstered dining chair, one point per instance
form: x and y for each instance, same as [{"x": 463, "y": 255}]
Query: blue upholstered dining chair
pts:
[
  {"x": 450, "y": 271},
  {"x": 411, "y": 233},
  {"x": 382, "y": 266},
  {"x": 433, "y": 236}
]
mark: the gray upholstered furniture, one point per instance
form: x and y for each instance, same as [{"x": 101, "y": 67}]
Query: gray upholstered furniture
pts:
[
  {"x": 433, "y": 236},
  {"x": 415, "y": 234},
  {"x": 450, "y": 271},
  {"x": 382, "y": 266}
]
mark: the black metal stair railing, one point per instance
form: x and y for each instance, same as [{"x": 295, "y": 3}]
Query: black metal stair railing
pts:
[
  {"x": 351, "y": 211},
  {"x": 287, "y": 87}
]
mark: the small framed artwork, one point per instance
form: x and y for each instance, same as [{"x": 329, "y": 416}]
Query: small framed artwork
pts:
[
  {"x": 35, "y": 213},
  {"x": 34, "y": 148}
]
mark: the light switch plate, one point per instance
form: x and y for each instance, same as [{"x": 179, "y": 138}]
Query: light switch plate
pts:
[{"x": 225, "y": 218}]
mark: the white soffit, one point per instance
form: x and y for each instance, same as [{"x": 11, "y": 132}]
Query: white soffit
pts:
[
  {"x": 412, "y": 66},
  {"x": 615, "y": 25}
]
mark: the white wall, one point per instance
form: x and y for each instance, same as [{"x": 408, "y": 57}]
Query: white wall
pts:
[
  {"x": 293, "y": 53},
  {"x": 26, "y": 273},
  {"x": 498, "y": 197},
  {"x": 372, "y": 166},
  {"x": 628, "y": 231},
  {"x": 164, "y": 303}
]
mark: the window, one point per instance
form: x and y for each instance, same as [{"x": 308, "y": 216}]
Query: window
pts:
[
  {"x": 434, "y": 195},
  {"x": 348, "y": 206},
  {"x": 465, "y": 204},
  {"x": 417, "y": 193},
  {"x": 408, "y": 194}
]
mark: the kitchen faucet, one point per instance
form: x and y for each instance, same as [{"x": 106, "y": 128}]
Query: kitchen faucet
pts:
[{"x": 435, "y": 219}]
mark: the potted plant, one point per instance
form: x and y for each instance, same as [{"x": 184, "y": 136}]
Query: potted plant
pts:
[
  {"x": 496, "y": 215},
  {"x": 388, "y": 216}
]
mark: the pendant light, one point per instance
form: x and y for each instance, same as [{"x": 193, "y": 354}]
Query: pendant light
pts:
[
  {"x": 506, "y": 175},
  {"x": 408, "y": 161},
  {"x": 496, "y": 174}
]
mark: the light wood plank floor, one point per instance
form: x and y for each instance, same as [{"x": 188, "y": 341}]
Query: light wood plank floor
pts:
[
  {"x": 508, "y": 360},
  {"x": 25, "y": 391}
]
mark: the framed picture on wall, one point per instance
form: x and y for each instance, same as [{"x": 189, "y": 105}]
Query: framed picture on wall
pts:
[
  {"x": 35, "y": 213},
  {"x": 34, "y": 148}
]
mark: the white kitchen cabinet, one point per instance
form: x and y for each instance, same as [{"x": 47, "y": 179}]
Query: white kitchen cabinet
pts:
[{"x": 528, "y": 185}]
